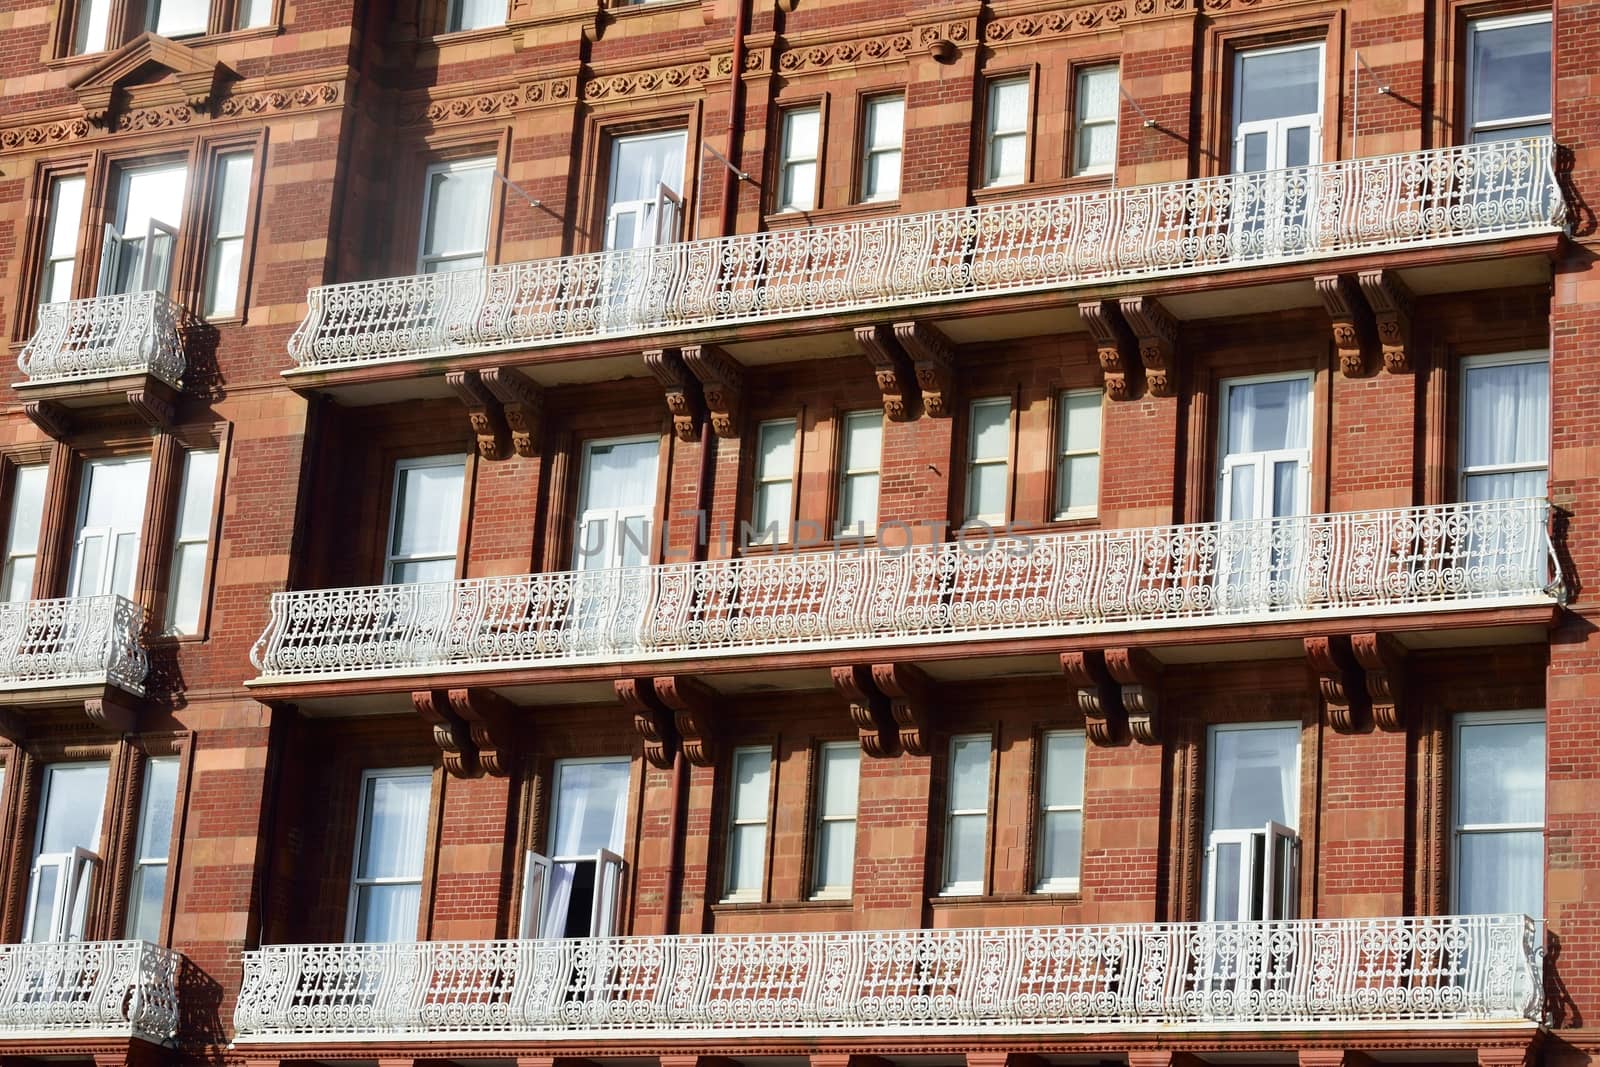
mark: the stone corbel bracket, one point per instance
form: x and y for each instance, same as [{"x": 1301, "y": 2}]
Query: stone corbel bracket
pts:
[
  {"x": 651, "y": 719},
  {"x": 472, "y": 728},
  {"x": 483, "y": 413},
  {"x": 933, "y": 360},
  {"x": 910, "y": 695},
  {"x": 1341, "y": 683},
  {"x": 869, "y": 710},
  {"x": 1139, "y": 676},
  {"x": 1384, "y": 660},
  {"x": 684, "y": 398},
  {"x": 892, "y": 368},
  {"x": 721, "y": 384},
  {"x": 1115, "y": 347},
  {"x": 450, "y": 734},
  {"x": 1156, "y": 331},
  {"x": 1353, "y": 332},
  {"x": 1390, "y": 301},
  {"x": 114, "y": 711},
  {"x": 694, "y": 707},
  {"x": 1098, "y": 696},
  {"x": 521, "y": 405}
]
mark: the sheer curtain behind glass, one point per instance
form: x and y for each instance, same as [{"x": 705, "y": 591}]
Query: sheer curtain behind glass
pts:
[
  {"x": 394, "y": 833},
  {"x": 1505, "y": 435},
  {"x": 618, "y": 500},
  {"x": 456, "y": 228},
  {"x": 1255, "y": 777},
  {"x": 427, "y": 520},
  {"x": 1500, "y": 787},
  {"x": 591, "y": 814},
  {"x": 475, "y": 14}
]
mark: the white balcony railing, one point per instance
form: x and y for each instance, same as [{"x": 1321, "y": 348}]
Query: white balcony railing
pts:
[
  {"x": 1467, "y": 193},
  {"x": 87, "y": 640},
  {"x": 88, "y": 989},
  {"x": 1359, "y": 974},
  {"x": 105, "y": 336},
  {"x": 1442, "y": 557}
]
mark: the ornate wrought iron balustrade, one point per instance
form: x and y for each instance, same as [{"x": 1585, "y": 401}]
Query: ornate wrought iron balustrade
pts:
[
  {"x": 1359, "y": 974},
  {"x": 1444, "y": 195},
  {"x": 105, "y": 336},
  {"x": 1355, "y": 563},
  {"x": 87, "y": 640},
  {"x": 88, "y": 989}
]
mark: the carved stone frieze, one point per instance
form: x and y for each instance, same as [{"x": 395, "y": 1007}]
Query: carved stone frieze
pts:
[
  {"x": 652, "y": 720},
  {"x": 1078, "y": 20},
  {"x": 271, "y": 101},
  {"x": 869, "y": 709},
  {"x": 684, "y": 399},
  {"x": 694, "y": 706},
  {"x": 483, "y": 413},
  {"x": 1352, "y": 321},
  {"x": 1340, "y": 682},
  {"x": 721, "y": 384},
  {"x": 41, "y": 134},
  {"x": 1156, "y": 332},
  {"x": 683, "y": 78},
  {"x": 1138, "y": 675},
  {"x": 521, "y": 405},
  {"x": 1098, "y": 699},
  {"x": 910, "y": 695},
  {"x": 888, "y": 48},
  {"x": 551, "y": 92},
  {"x": 1390, "y": 301},
  {"x": 933, "y": 361},
  {"x": 1384, "y": 660},
  {"x": 1114, "y": 346},
  {"x": 893, "y": 371}
]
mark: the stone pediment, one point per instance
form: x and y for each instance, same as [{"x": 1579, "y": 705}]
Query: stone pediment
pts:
[{"x": 157, "y": 70}]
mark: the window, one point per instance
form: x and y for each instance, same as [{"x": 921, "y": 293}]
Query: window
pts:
[
  {"x": 1006, "y": 132},
  {"x": 61, "y": 239},
  {"x": 23, "y": 519},
  {"x": 1060, "y": 845},
  {"x": 1505, "y": 426},
  {"x": 797, "y": 181},
  {"x": 1499, "y": 814},
  {"x": 988, "y": 460},
  {"x": 225, "y": 260},
  {"x": 884, "y": 125},
  {"x": 616, "y": 503},
  {"x": 455, "y": 216},
  {"x": 190, "y": 540},
  {"x": 1508, "y": 77},
  {"x": 858, "y": 478},
  {"x": 66, "y": 852},
  {"x": 1266, "y": 435},
  {"x": 586, "y": 842},
  {"x": 1095, "y": 134},
  {"x": 1277, "y": 108},
  {"x": 967, "y": 825},
  {"x": 474, "y": 14},
  {"x": 774, "y": 491},
  {"x": 838, "y": 782},
  {"x": 136, "y": 252},
  {"x": 178, "y": 18},
  {"x": 426, "y": 520},
  {"x": 644, "y": 205},
  {"x": 747, "y": 823},
  {"x": 90, "y": 26},
  {"x": 1252, "y": 812},
  {"x": 386, "y": 889},
  {"x": 105, "y": 553},
  {"x": 1078, "y": 455},
  {"x": 254, "y": 13},
  {"x": 149, "y": 891}
]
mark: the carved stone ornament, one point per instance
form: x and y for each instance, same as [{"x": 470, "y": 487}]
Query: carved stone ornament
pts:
[
  {"x": 1115, "y": 347},
  {"x": 521, "y": 405},
  {"x": 721, "y": 384},
  {"x": 483, "y": 413},
  {"x": 1352, "y": 321},
  {"x": 1339, "y": 682},
  {"x": 195, "y": 72},
  {"x": 933, "y": 360},
  {"x": 489, "y": 718},
  {"x": 869, "y": 709},
  {"x": 910, "y": 695},
  {"x": 1384, "y": 660},
  {"x": 113, "y": 711},
  {"x": 892, "y": 370},
  {"x": 1156, "y": 332},
  {"x": 1390, "y": 301},
  {"x": 1139, "y": 676},
  {"x": 1098, "y": 698},
  {"x": 652, "y": 720},
  {"x": 684, "y": 399},
  {"x": 156, "y": 403},
  {"x": 450, "y": 734},
  {"x": 50, "y": 417},
  {"x": 694, "y": 712}
]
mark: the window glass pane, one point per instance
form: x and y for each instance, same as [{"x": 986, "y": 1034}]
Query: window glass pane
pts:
[
  {"x": 144, "y": 904},
  {"x": 254, "y": 13},
  {"x": 969, "y": 774},
  {"x": 620, "y": 474},
  {"x": 841, "y": 766},
  {"x": 986, "y": 492},
  {"x": 458, "y": 208},
  {"x": 1500, "y": 873},
  {"x": 800, "y": 186},
  {"x": 1061, "y": 845},
  {"x": 883, "y": 176},
  {"x": 45, "y": 889},
  {"x": 199, "y": 484},
  {"x": 158, "y": 802},
  {"x": 1268, "y": 416},
  {"x": 427, "y": 513},
  {"x": 1097, "y": 146},
  {"x": 395, "y": 833},
  {"x": 93, "y": 17},
  {"x": 387, "y": 913},
  {"x": 233, "y": 195},
  {"x": 180, "y": 18},
  {"x": 836, "y": 855},
  {"x": 1007, "y": 159},
  {"x": 1255, "y": 777},
  {"x": 774, "y": 505},
  {"x": 66, "y": 211},
  {"x": 859, "y": 508},
  {"x": 640, "y": 164},
  {"x": 22, "y": 532},
  {"x": 125, "y": 557},
  {"x": 746, "y": 851},
  {"x": 1278, "y": 84},
  {"x": 776, "y": 449},
  {"x": 965, "y": 852},
  {"x": 1080, "y": 484},
  {"x": 1502, "y": 773},
  {"x": 151, "y": 193},
  {"x": 420, "y": 571},
  {"x": 590, "y": 808},
  {"x": 801, "y": 127},
  {"x": 1080, "y": 430},
  {"x": 1097, "y": 94},
  {"x": 752, "y": 770},
  {"x": 1510, "y": 71},
  {"x": 991, "y": 425},
  {"x": 1063, "y": 769},
  {"x": 475, "y": 14},
  {"x": 75, "y": 795},
  {"x": 116, "y": 493},
  {"x": 1507, "y": 414},
  {"x": 885, "y": 122},
  {"x": 863, "y": 440},
  {"x": 1008, "y": 106}
]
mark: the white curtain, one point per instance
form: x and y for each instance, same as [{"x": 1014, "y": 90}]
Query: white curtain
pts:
[
  {"x": 1256, "y": 772},
  {"x": 640, "y": 164},
  {"x": 620, "y": 475},
  {"x": 458, "y": 210},
  {"x": 1269, "y": 416},
  {"x": 1508, "y": 414}
]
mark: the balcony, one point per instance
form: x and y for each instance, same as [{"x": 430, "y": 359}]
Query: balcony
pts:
[
  {"x": 1436, "y": 561},
  {"x": 1322, "y": 974},
  {"x": 81, "y": 990},
  {"x": 1422, "y": 200},
  {"x": 72, "y": 642}
]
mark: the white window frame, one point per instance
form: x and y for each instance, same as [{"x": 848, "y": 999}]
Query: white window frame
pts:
[
  {"x": 357, "y": 882},
  {"x": 1082, "y": 121},
  {"x": 221, "y": 238},
  {"x": 1501, "y": 359},
  {"x": 428, "y": 261},
  {"x": 56, "y": 226},
  {"x": 616, "y": 517},
  {"x": 153, "y": 20},
  {"x": 849, "y": 474},
  {"x": 1264, "y": 462},
  {"x": 1063, "y": 453},
  {"x": 114, "y": 240},
  {"x": 76, "y": 869},
  {"x": 142, "y": 861},
  {"x": 661, "y": 214},
  {"x": 1502, "y": 22},
  {"x": 949, "y": 887},
  {"x": 974, "y": 461},
  {"x": 789, "y": 159},
  {"x": 109, "y": 534},
  {"x": 1043, "y": 882},
  {"x": 610, "y": 868},
  {"x": 819, "y": 889},
  {"x": 1277, "y": 835},
  {"x": 1277, "y": 129},
  {"x": 766, "y": 480},
  {"x": 180, "y": 542},
  {"x": 730, "y": 892},
  {"x": 993, "y": 135},
  {"x": 870, "y": 152},
  {"x": 87, "y": 38},
  {"x": 1458, "y": 830},
  {"x": 455, "y": 16},
  {"x": 15, "y": 537},
  {"x": 390, "y": 558}
]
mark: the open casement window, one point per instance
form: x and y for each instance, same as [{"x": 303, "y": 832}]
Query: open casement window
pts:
[
  {"x": 425, "y": 520},
  {"x": 137, "y": 246},
  {"x": 105, "y": 552},
  {"x": 1497, "y": 848},
  {"x": 67, "y": 848},
  {"x": 644, "y": 204},
  {"x": 584, "y": 894},
  {"x": 391, "y": 839},
  {"x": 455, "y": 216},
  {"x": 535, "y": 892},
  {"x": 1505, "y": 426},
  {"x": 24, "y": 516},
  {"x": 1253, "y": 803},
  {"x": 1508, "y": 77},
  {"x": 1277, "y": 128},
  {"x": 616, "y": 503}
]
